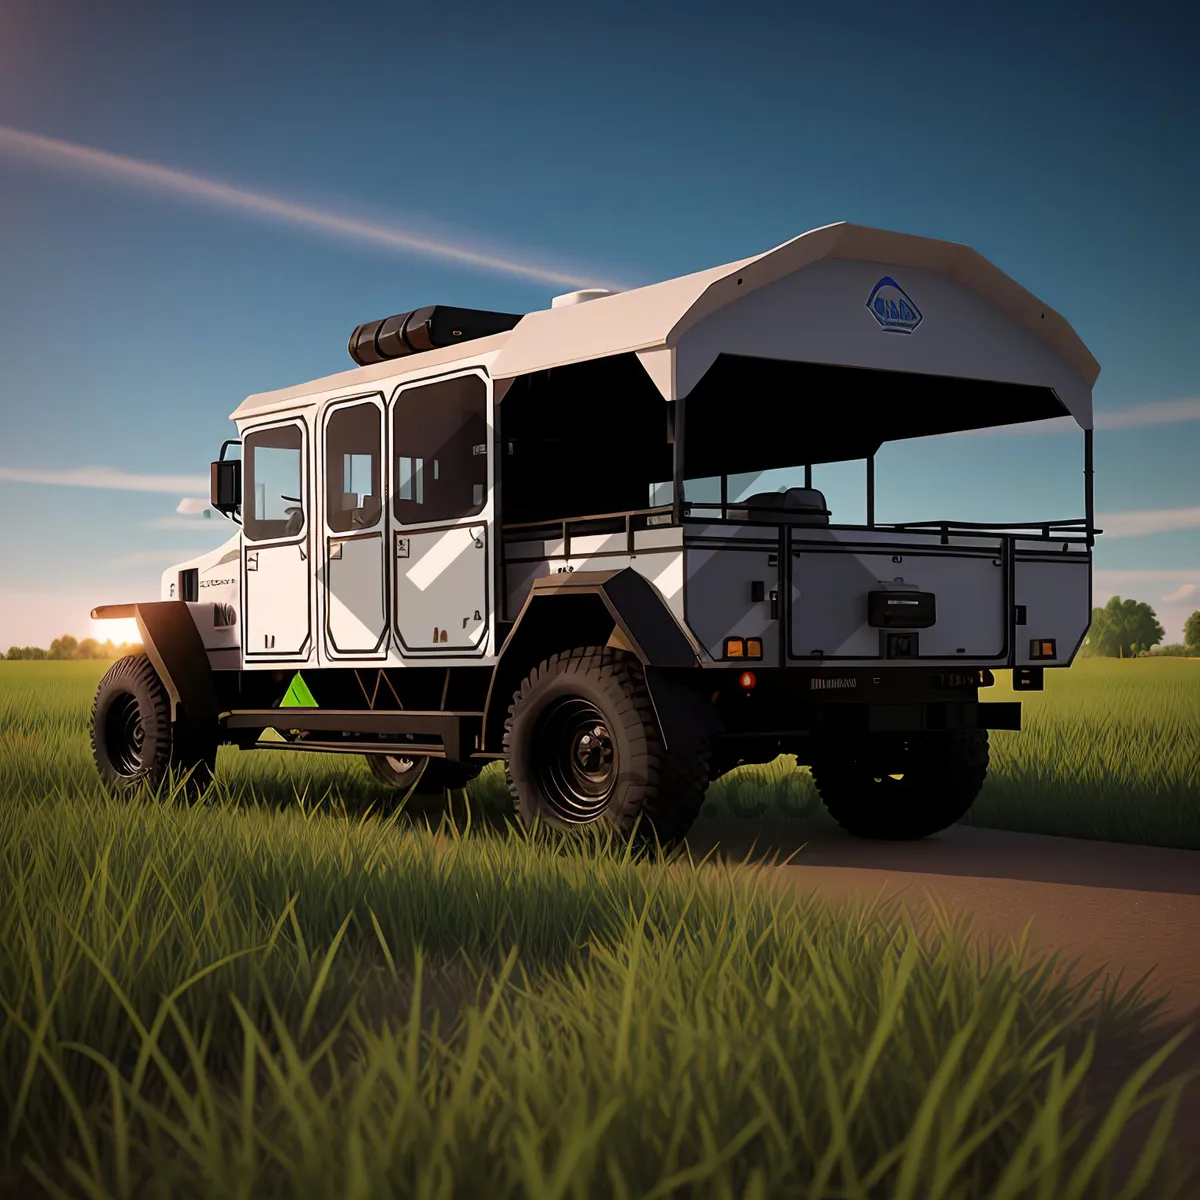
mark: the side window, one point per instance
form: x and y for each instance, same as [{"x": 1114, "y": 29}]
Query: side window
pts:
[
  {"x": 273, "y": 500},
  {"x": 439, "y": 447},
  {"x": 353, "y": 462}
]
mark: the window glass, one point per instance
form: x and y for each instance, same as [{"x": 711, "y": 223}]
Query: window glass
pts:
[
  {"x": 439, "y": 443},
  {"x": 353, "y": 461},
  {"x": 273, "y": 503}
]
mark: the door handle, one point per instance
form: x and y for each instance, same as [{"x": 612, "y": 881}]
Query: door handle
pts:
[{"x": 774, "y": 606}]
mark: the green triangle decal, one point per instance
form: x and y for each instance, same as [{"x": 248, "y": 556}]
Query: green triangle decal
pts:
[{"x": 298, "y": 695}]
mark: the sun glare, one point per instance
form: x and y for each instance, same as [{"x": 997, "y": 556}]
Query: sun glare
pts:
[{"x": 120, "y": 631}]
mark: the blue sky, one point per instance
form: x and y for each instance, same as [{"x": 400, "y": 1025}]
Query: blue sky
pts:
[{"x": 624, "y": 144}]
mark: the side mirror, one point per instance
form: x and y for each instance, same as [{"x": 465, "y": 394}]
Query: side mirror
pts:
[{"x": 226, "y": 485}]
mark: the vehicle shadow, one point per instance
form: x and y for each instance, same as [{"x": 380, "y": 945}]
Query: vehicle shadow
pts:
[{"x": 962, "y": 851}]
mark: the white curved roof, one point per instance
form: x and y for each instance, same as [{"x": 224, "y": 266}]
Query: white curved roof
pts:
[{"x": 657, "y": 316}]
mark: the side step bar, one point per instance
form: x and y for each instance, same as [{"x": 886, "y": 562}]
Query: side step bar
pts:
[{"x": 457, "y": 730}]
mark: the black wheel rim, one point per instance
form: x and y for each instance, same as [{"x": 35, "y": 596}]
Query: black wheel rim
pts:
[
  {"x": 124, "y": 735},
  {"x": 577, "y": 760}
]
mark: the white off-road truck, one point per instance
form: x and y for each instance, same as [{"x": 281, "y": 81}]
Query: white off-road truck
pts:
[{"x": 529, "y": 538}]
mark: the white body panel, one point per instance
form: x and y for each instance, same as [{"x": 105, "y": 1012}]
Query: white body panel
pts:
[
  {"x": 355, "y": 596},
  {"x": 441, "y": 590},
  {"x": 277, "y": 624},
  {"x": 1055, "y": 589},
  {"x": 830, "y": 584},
  {"x": 217, "y": 612},
  {"x": 658, "y": 555},
  {"x": 706, "y": 574}
]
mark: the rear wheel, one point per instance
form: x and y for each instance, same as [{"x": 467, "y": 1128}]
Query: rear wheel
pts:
[
  {"x": 582, "y": 747},
  {"x": 134, "y": 740},
  {"x": 903, "y": 788}
]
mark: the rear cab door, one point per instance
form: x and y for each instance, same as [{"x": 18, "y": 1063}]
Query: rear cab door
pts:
[{"x": 440, "y": 515}]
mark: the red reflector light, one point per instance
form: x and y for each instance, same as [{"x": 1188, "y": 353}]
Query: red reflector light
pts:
[{"x": 747, "y": 680}]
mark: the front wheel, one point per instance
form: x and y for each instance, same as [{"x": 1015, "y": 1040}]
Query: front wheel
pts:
[
  {"x": 582, "y": 747},
  {"x": 903, "y": 788},
  {"x": 134, "y": 740}
]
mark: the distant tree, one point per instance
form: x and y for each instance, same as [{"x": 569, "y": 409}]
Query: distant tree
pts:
[
  {"x": 26, "y": 653},
  {"x": 1122, "y": 629},
  {"x": 63, "y": 647},
  {"x": 1191, "y": 631},
  {"x": 89, "y": 648},
  {"x": 68, "y": 648}
]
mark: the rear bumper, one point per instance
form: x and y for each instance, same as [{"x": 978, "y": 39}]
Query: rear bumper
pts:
[
  {"x": 804, "y": 721},
  {"x": 890, "y": 718}
]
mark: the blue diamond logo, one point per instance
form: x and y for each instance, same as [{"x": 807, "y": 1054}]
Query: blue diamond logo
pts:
[{"x": 892, "y": 307}]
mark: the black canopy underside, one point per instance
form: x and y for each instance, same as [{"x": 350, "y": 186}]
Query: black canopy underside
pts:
[{"x": 757, "y": 414}]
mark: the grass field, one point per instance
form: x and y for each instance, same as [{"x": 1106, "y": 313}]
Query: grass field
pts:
[{"x": 266, "y": 996}]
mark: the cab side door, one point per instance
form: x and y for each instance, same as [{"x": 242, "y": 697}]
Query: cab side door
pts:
[
  {"x": 276, "y": 546},
  {"x": 353, "y": 554},
  {"x": 441, "y": 513}
]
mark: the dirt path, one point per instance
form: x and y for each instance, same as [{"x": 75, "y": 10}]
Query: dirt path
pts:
[{"x": 1130, "y": 908}]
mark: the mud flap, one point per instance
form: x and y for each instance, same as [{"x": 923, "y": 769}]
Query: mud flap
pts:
[{"x": 684, "y": 716}]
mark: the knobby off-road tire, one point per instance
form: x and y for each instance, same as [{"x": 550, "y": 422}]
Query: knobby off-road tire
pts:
[
  {"x": 134, "y": 740},
  {"x": 940, "y": 777},
  {"x": 582, "y": 747},
  {"x": 434, "y": 776}
]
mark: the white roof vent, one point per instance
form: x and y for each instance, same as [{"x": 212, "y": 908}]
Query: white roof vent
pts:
[{"x": 580, "y": 297}]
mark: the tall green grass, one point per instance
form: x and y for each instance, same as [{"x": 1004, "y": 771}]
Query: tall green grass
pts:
[
  {"x": 233, "y": 1002},
  {"x": 266, "y": 995}
]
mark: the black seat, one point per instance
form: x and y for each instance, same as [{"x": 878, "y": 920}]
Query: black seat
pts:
[{"x": 803, "y": 506}]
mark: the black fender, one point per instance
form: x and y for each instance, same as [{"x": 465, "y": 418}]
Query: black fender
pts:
[
  {"x": 173, "y": 644},
  {"x": 617, "y": 608}
]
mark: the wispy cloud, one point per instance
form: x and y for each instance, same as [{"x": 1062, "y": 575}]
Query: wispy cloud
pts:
[
  {"x": 103, "y": 477},
  {"x": 1155, "y": 520},
  {"x": 1118, "y": 577},
  {"x": 1140, "y": 416},
  {"x": 1163, "y": 412},
  {"x": 1183, "y": 592},
  {"x": 196, "y": 187},
  {"x": 192, "y": 505}
]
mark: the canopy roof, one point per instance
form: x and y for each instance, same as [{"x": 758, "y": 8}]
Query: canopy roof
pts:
[{"x": 652, "y": 320}]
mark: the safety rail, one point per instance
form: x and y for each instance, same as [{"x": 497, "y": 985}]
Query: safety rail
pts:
[
  {"x": 643, "y": 518},
  {"x": 619, "y": 522}
]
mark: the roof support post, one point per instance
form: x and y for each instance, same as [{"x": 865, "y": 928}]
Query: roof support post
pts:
[
  {"x": 871, "y": 491},
  {"x": 677, "y": 464},
  {"x": 1088, "y": 490}
]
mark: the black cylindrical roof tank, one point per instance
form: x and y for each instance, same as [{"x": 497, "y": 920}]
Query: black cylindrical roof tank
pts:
[{"x": 423, "y": 329}]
